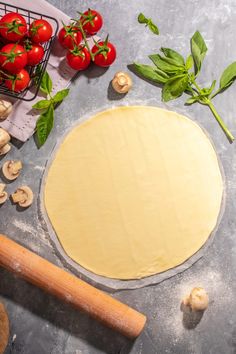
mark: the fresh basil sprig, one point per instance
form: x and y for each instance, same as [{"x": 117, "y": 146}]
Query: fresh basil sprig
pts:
[
  {"x": 46, "y": 119},
  {"x": 177, "y": 76},
  {"x": 148, "y": 22}
]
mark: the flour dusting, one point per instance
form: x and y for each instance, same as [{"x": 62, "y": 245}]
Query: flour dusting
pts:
[
  {"x": 23, "y": 226},
  {"x": 220, "y": 295}
]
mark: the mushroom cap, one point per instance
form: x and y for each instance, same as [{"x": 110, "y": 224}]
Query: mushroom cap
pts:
[
  {"x": 27, "y": 196},
  {"x": 121, "y": 82},
  {"x": 3, "y": 194},
  {"x": 198, "y": 299},
  {"x": 5, "y": 149},
  {"x": 5, "y": 109},
  {"x": 7, "y": 172},
  {"x": 4, "y": 137}
]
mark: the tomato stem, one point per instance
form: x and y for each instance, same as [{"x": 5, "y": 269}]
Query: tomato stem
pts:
[{"x": 79, "y": 24}]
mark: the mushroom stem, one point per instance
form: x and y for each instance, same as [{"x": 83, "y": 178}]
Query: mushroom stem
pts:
[
  {"x": 121, "y": 82},
  {"x": 15, "y": 167},
  {"x": 19, "y": 196}
]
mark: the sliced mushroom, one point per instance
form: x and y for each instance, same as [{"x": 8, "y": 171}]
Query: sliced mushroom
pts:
[
  {"x": 121, "y": 82},
  {"x": 3, "y": 193},
  {"x": 11, "y": 169},
  {"x": 5, "y": 109},
  {"x": 23, "y": 196},
  {"x": 4, "y": 137}
]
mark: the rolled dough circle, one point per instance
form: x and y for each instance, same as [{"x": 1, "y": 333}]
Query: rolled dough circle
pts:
[{"x": 134, "y": 191}]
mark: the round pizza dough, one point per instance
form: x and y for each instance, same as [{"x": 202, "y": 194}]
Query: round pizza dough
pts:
[{"x": 134, "y": 191}]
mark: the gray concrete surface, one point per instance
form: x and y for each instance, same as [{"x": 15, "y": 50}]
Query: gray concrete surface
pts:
[{"x": 39, "y": 323}]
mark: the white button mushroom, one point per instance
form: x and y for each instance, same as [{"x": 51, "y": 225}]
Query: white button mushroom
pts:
[
  {"x": 3, "y": 193},
  {"x": 121, "y": 82},
  {"x": 198, "y": 299},
  {"x": 5, "y": 149},
  {"x": 5, "y": 109},
  {"x": 4, "y": 140},
  {"x": 23, "y": 196},
  {"x": 11, "y": 169}
]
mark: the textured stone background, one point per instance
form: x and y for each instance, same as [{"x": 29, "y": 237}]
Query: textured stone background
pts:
[{"x": 39, "y": 323}]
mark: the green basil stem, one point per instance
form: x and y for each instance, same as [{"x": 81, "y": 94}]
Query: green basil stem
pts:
[
  {"x": 229, "y": 135},
  {"x": 221, "y": 123}
]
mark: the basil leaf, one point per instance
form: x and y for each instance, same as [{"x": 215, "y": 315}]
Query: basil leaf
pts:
[
  {"x": 153, "y": 27},
  {"x": 46, "y": 84},
  {"x": 142, "y": 18},
  {"x": 60, "y": 95},
  {"x": 165, "y": 64},
  {"x": 198, "y": 49},
  {"x": 41, "y": 104},
  {"x": 44, "y": 125},
  {"x": 148, "y": 22},
  {"x": 189, "y": 62},
  {"x": 228, "y": 76},
  {"x": 174, "y": 87},
  {"x": 172, "y": 54},
  {"x": 151, "y": 73},
  {"x": 211, "y": 88},
  {"x": 191, "y": 100}
]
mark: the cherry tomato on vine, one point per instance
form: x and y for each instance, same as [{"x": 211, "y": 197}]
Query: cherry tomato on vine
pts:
[
  {"x": 78, "y": 58},
  {"x": 13, "y": 57},
  {"x": 13, "y": 27},
  {"x": 105, "y": 53},
  {"x": 18, "y": 82},
  {"x": 40, "y": 31},
  {"x": 69, "y": 36},
  {"x": 92, "y": 21}
]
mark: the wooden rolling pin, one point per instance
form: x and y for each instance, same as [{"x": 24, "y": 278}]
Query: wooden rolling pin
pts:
[{"x": 69, "y": 288}]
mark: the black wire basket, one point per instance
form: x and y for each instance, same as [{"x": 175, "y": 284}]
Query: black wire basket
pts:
[{"x": 35, "y": 72}]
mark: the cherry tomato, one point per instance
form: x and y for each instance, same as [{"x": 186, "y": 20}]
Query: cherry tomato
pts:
[
  {"x": 19, "y": 82},
  {"x": 13, "y": 27},
  {"x": 107, "y": 56},
  {"x": 40, "y": 31},
  {"x": 78, "y": 58},
  {"x": 35, "y": 54},
  {"x": 13, "y": 57},
  {"x": 69, "y": 36},
  {"x": 92, "y": 21}
]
